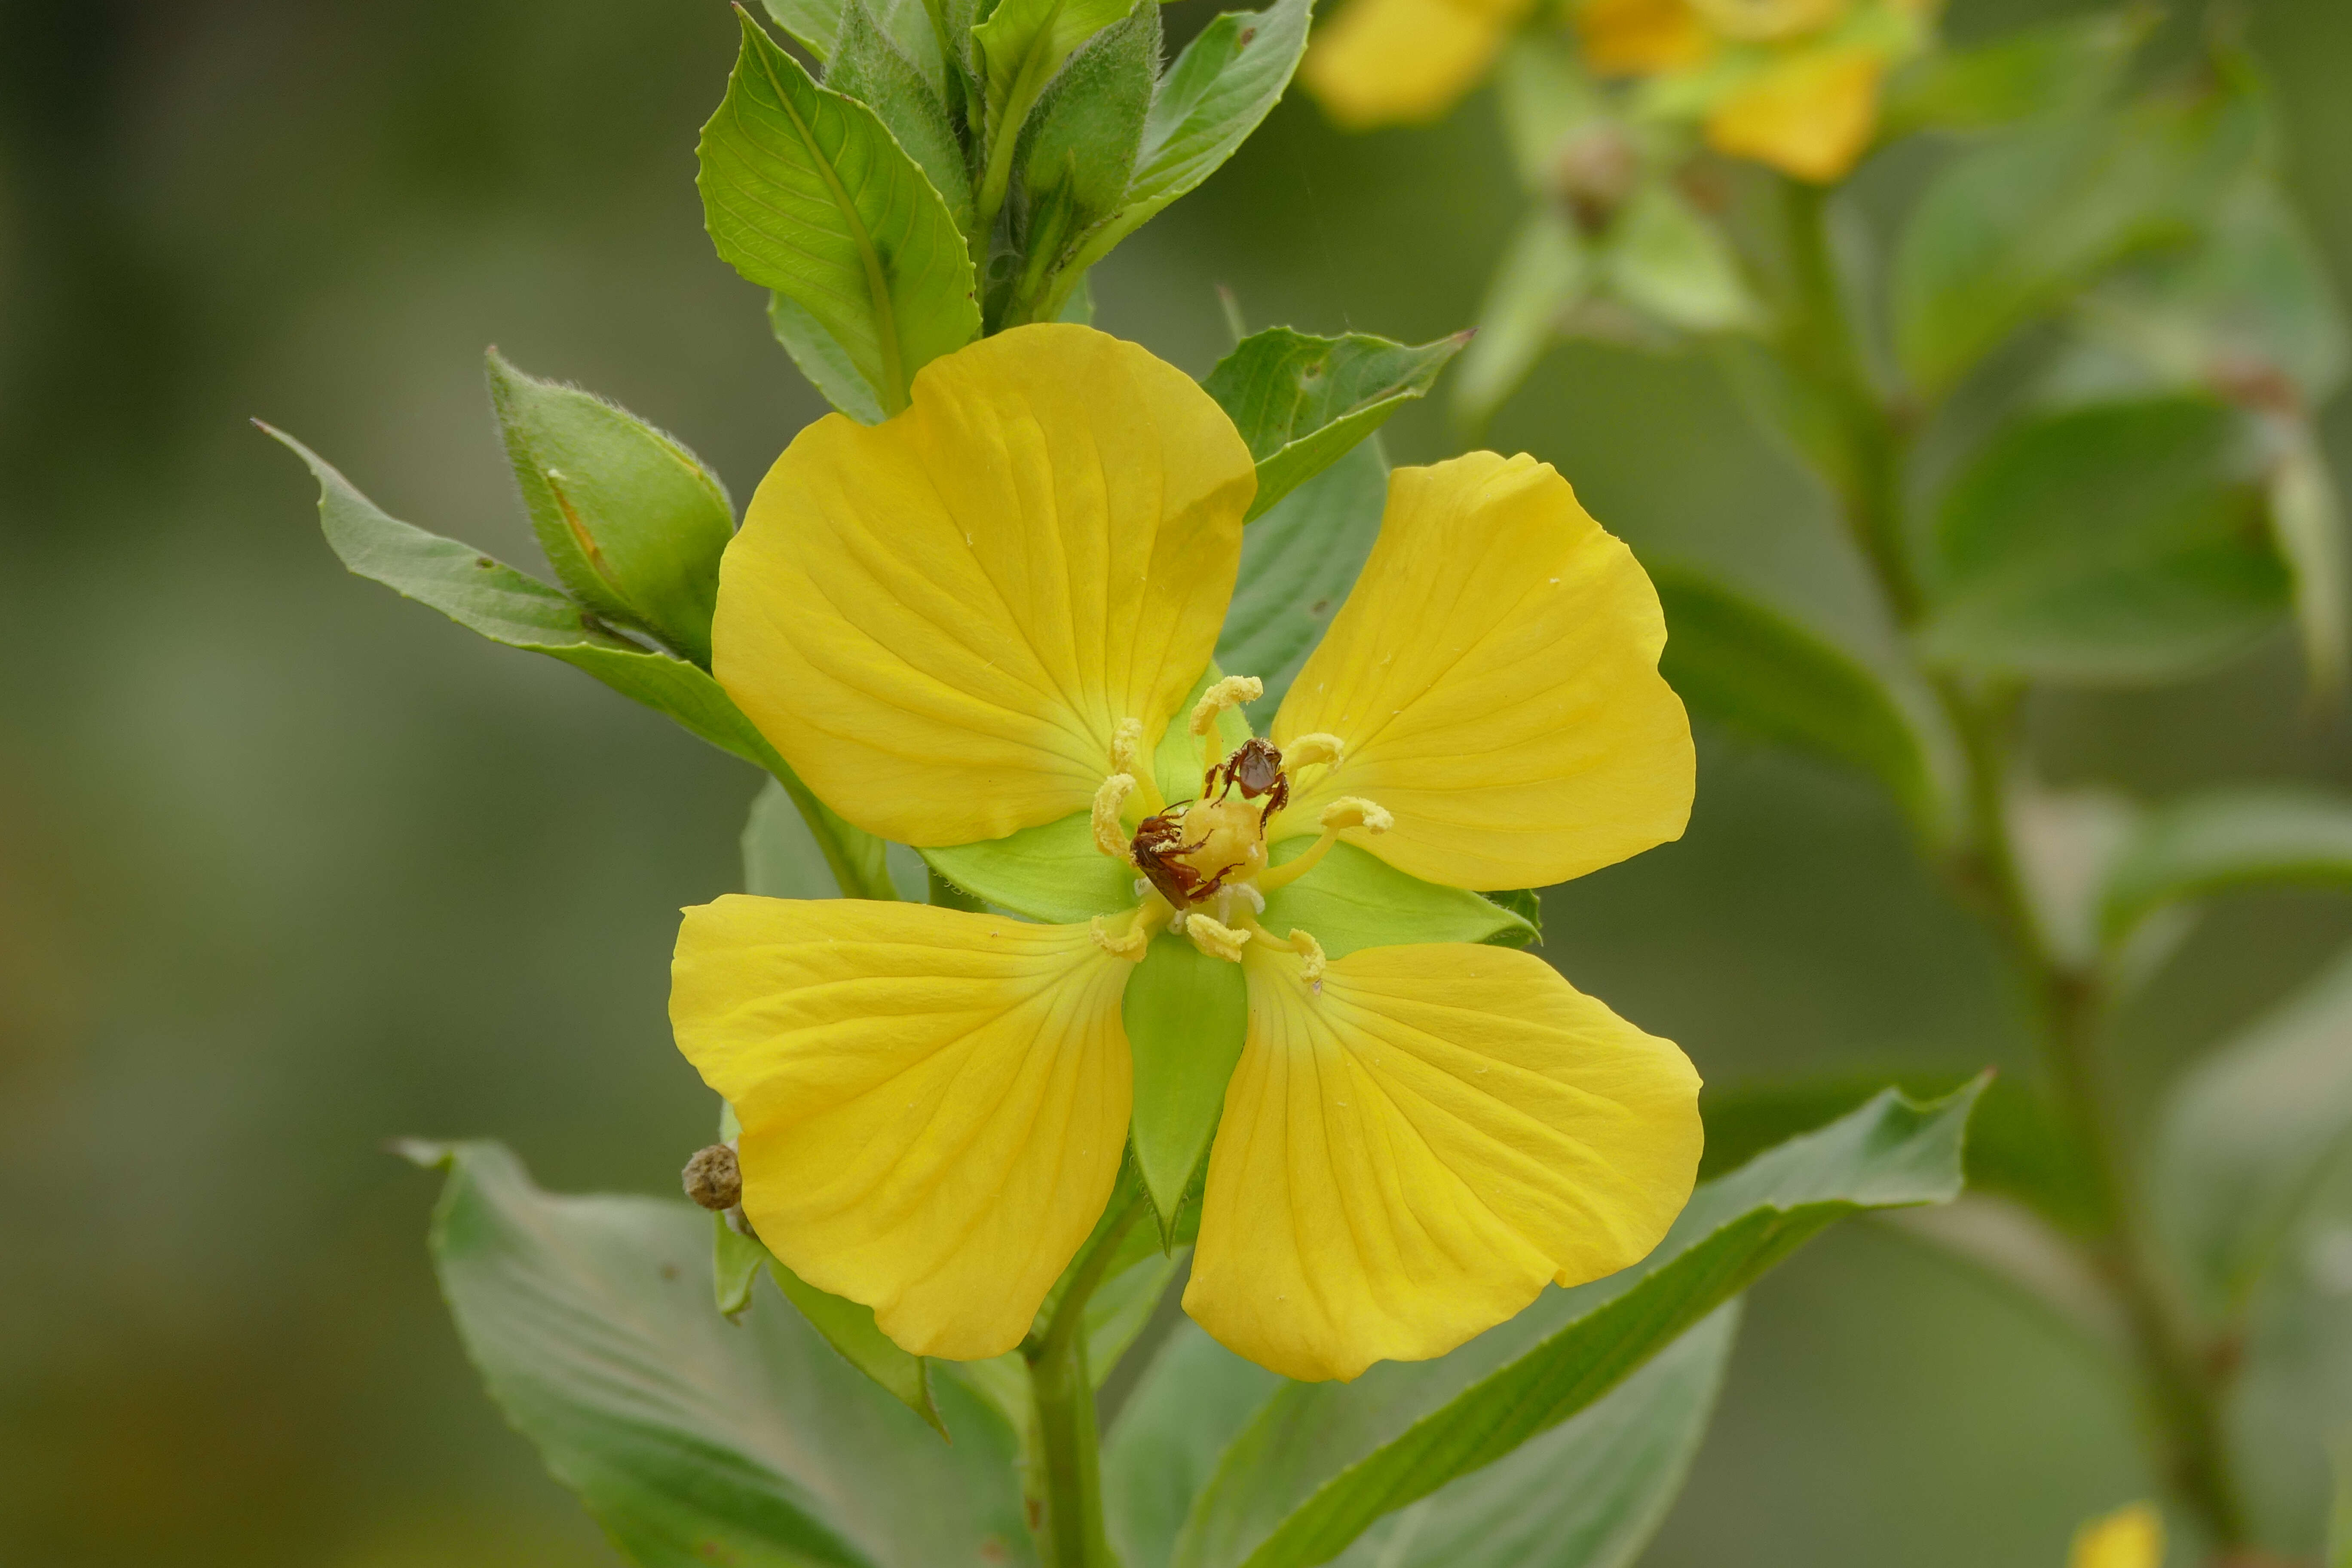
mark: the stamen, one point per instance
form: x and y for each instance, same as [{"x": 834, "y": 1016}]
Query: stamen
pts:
[
  {"x": 1216, "y": 940},
  {"x": 1129, "y": 943},
  {"x": 1348, "y": 811},
  {"x": 1306, "y": 750},
  {"x": 1127, "y": 746},
  {"x": 1109, "y": 801},
  {"x": 1230, "y": 692},
  {"x": 1311, "y": 961},
  {"x": 1257, "y": 899}
]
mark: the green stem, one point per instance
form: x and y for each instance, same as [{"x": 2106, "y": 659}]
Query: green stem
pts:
[
  {"x": 2183, "y": 1385},
  {"x": 1068, "y": 1459}
]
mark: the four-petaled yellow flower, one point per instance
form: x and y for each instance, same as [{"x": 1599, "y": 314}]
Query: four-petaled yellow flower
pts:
[
  {"x": 976, "y": 620},
  {"x": 1790, "y": 83}
]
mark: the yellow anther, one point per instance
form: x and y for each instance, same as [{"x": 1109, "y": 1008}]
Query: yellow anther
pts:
[
  {"x": 1306, "y": 751},
  {"x": 1216, "y": 940},
  {"x": 1311, "y": 961},
  {"x": 1111, "y": 834},
  {"x": 1354, "y": 811},
  {"x": 1129, "y": 943},
  {"x": 1127, "y": 746},
  {"x": 1231, "y": 692}
]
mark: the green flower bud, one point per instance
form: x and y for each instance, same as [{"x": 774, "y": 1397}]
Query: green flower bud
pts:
[{"x": 632, "y": 523}]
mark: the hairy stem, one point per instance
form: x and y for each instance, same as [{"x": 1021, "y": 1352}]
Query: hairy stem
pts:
[
  {"x": 2182, "y": 1386},
  {"x": 1068, "y": 1459}
]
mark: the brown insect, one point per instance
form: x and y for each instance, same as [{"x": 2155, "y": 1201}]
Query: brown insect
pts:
[
  {"x": 1255, "y": 766},
  {"x": 1157, "y": 843}
]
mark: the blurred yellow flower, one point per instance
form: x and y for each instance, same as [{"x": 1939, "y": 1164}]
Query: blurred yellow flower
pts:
[
  {"x": 1790, "y": 83},
  {"x": 979, "y": 617},
  {"x": 2128, "y": 1538}
]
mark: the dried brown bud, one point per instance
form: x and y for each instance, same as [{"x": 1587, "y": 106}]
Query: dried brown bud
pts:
[
  {"x": 713, "y": 1179},
  {"x": 1594, "y": 172}
]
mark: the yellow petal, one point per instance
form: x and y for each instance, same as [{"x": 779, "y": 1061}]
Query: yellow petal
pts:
[
  {"x": 934, "y": 1103},
  {"x": 1494, "y": 677},
  {"x": 1641, "y": 38},
  {"x": 1812, "y": 115},
  {"x": 1392, "y": 62},
  {"x": 1407, "y": 1156},
  {"x": 2129, "y": 1538},
  {"x": 939, "y": 621}
]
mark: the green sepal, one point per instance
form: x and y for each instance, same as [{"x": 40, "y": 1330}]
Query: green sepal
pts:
[
  {"x": 495, "y": 601},
  {"x": 1185, "y": 1013},
  {"x": 1052, "y": 872},
  {"x": 631, "y": 520},
  {"x": 806, "y": 192},
  {"x": 1528, "y": 904},
  {"x": 1355, "y": 900},
  {"x": 735, "y": 1260},
  {"x": 1301, "y": 402},
  {"x": 1298, "y": 563}
]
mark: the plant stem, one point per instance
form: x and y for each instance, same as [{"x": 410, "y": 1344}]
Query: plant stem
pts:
[
  {"x": 2183, "y": 1385},
  {"x": 1068, "y": 1459}
]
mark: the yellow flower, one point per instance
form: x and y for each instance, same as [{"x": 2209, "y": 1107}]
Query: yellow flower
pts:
[
  {"x": 2128, "y": 1538},
  {"x": 1790, "y": 83},
  {"x": 982, "y": 616}
]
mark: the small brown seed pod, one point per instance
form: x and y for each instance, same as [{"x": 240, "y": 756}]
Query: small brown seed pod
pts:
[{"x": 713, "y": 1178}]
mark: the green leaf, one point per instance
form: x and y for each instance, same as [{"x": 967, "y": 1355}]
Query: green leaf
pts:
[
  {"x": 1302, "y": 402},
  {"x": 508, "y": 606},
  {"x": 1755, "y": 670},
  {"x": 850, "y": 1329},
  {"x": 2009, "y": 231},
  {"x": 1323, "y": 1461},
  {"x": 1184, "y": 1013},
  {"x": 695, "y": 1440},
  {"x": 1298, "y": 563},
  {"x": 2016, "y": 1147},
  {"x": 1078, "y": 148},
  {"x": 1193, "y": 1399},
  {"x": 1662, "y": 258},
  {"x": 806, "y": 192},
  {"x": 1052, "y": 872},
  {"x": 811, "y": 23},
  {"x": 823, "y": 361},
  {"x": 1589, "y": 1493},
  {"x": 2249, "y": 1133},
  {"x": 1023, "y": 45},
  {"x": 1220, "y": 87},
  {"x": 1545, "y": 270},
  {"x": 2114, "y": 544},
  {"x": 735, "y": 1263},
  {"x": 2224, "y": 840},
  {"x": 782, "y": 859},
  {"x": 2058, "y": 68},
  {"x": 1355, "y": 900},
  {"x": 868, "y": 65},
  {"x": 631, "y": 520}
]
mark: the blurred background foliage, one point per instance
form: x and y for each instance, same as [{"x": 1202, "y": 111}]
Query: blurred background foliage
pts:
[{"x": 288, "y": 867}]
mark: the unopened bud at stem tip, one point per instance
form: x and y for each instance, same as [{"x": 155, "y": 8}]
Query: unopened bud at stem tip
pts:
[{"x": 714, "y": 1178}]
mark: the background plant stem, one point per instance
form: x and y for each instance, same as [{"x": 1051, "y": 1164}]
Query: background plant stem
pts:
[{"x": 2182, "y": 1384}]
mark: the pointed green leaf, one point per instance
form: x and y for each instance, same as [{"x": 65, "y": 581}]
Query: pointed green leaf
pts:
[
  {"x": 1355, "y": 900},
  {"x": 1184, "y": 1013},
  {"x": 1298, "y": 563},
  {"x": 2054, "y": 69},
  {"x": 850, "y": 1329},
  {"x": 506, "y": 606},
  {"x": 823, "y": 362},
  {"x": 1323, "y": 1461},
  {"x": 2116, "y": 542},
  {"x": 1024, "y": 43},
  {"x": 1545, "y": 270},
  {"x": 806, "y": 192},
  {"x": 1755, "y": 670},
  {"x": 1589, "y": 1493},
  {"x": 811, "y": 23},
  {"x": 631, "y": 520},
  {"x": 2250, "y": 835},
  {"x": 2248, "y": 1134},
  {"x": 1301, "y": 402},
  {"x": 695, "y": 1440},
  {"x": 1227, "y": 80}
]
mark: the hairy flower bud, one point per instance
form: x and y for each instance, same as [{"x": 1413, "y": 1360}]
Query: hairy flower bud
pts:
[{"x": 713, "y": 1178}]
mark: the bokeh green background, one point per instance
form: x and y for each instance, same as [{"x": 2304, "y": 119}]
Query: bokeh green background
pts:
[{"x": 289, "y": 867}]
